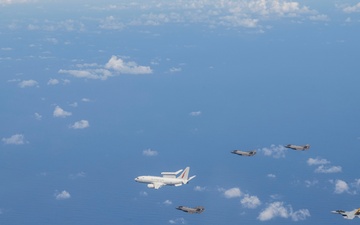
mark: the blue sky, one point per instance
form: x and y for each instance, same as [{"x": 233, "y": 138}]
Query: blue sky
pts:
[{"x": 95, "y": 94}]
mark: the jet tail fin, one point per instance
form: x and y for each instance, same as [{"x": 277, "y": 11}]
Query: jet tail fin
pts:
[{"x": 184, "y": 176}]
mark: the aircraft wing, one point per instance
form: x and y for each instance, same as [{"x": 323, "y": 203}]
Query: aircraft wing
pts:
[
  {"x": 350, "y": 216},
  {"x": 158, "y": 185}
]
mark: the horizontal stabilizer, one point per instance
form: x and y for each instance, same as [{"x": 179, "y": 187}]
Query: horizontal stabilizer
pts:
[
  {"x": 187, "y": 181},
  {"x": 191, "y": 178}
]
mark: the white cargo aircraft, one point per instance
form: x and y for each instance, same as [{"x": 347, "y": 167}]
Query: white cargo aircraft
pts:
[
  {"x": 168, "y": 178},
  {"x": 348, "y": 214}
]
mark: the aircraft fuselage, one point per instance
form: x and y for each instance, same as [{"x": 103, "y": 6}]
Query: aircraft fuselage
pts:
[{"x": 156, "y": 179}]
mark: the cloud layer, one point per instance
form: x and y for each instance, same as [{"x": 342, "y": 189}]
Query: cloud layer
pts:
[{"x": 212, "y": 13}]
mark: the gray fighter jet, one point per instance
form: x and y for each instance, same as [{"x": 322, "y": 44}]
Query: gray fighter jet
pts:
[
  {"x": 298, "y": 147},
  {"x": 197, "y": 209},
  {"x": 244, "y": 153},
  {"x": 348, "y": 215}
]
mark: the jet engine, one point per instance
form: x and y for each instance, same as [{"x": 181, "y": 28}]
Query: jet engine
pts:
[{"x": 151, "y": 186}]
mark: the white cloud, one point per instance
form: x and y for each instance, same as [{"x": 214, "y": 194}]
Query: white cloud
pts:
[
  {"x": 242, "y": 13},
  {"x": 352, "y": 9},
  {"x": 309, "y": 183},
  {"x": 270, "y": 175},
  {"x": 317, "y": 161},
  {"x": 300, "y": 214},
  {"x": 277, "y": 209},
  {"x": 120, "y": 66},
  {"x": 77, "y": 175},
  {"x": 52, "y": 40},
  {"x": 111, "y": 23},
  {"x": 178, "y": 221},
  {"x": 66, "y": 81},
  {"x": 175, "y": 69},
  {"x": 149, "y": 152},
  {"x": 320, "y": 17},
  {"x": 82, "y": 124},
  {"x": 143, "y": 193},
  {"x": 62, "y": 195},
  {"x": 199, "y": 188},
  {"x": 38, "y": 116},
  {"x": 357, "y": 183},
  {"x": 101, "y": 74},
  {"x": 196, "y": 113},
  {"x": 322, "y": 168},
  {"x": 59, "y": 112},
  {"x": 167, "y": 202},
  {"x": 68, "y": 25},
  {"x": 9, "y": 2},
  {"x": 332, "y": 169},
  {"x": 53, "y": 82},
  {"x": 274, "y": 151},
  {"x": 341, "y": 187},
  {"x": 232, "y": 193},
  {"x": 28, "y": 83},
  {"x": 250, "y": 201},
  {"x": 16, "y": 139},
  {"x": 85, "y": 100},
  {"x": 113, "y": 67}
]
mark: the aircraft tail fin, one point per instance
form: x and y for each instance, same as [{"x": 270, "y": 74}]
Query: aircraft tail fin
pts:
[{"x": 185, "y": 175}]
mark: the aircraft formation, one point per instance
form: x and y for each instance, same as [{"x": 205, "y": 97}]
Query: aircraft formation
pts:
[{"x": 171, "y": 179}]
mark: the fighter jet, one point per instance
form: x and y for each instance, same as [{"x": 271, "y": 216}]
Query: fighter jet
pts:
[
  {"x": 168, "y": 178},
  {"x": 298, "y": 147},
  {"x": 243, "y": 153},
  {"x": 197, "y": 209},
  {"x": 348, "y": 215}
]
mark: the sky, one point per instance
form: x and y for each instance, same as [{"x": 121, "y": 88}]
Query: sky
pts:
[{"x": 96, "y": 93}]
